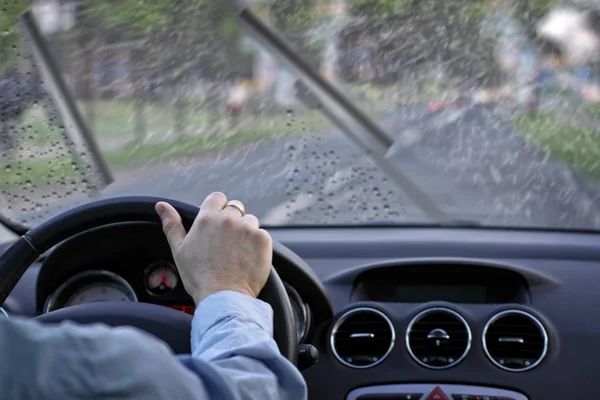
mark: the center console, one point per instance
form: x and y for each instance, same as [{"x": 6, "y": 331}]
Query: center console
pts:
[{"x": 432, "y": 391}]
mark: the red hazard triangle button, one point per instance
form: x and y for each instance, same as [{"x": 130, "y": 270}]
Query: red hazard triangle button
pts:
[{"x": 437, "y": 394}]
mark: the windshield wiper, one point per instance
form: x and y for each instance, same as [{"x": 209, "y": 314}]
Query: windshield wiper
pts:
[
  {"x": 14, "y": 227},
  {"x": 317, "y": 93},
  {"x": 79, "y": 133},
  {"x": 75, "y": 126}
]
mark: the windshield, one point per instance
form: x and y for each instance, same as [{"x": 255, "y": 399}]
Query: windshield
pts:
[{"x": 492, "y": 108}]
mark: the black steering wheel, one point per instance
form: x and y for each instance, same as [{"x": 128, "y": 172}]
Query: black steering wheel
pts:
[{"x": 172, "y": 326}]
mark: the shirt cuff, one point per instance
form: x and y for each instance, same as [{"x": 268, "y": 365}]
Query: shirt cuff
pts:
[{"x": 226, "y": 305}]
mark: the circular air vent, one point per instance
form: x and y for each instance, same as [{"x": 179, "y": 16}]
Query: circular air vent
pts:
[
  {"x": 515, "y": 340},
  {"x": 438, "y": 338},
  {"x": 362, "y": 338}
]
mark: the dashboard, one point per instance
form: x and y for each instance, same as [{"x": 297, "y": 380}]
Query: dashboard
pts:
[
  {"x": 139, "y": 269},
  {"x": 161, "y": 285},
  {"x": 395, "y": 313}
]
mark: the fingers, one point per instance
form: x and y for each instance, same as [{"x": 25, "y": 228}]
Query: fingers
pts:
[
  {"x": 214, "y": 202},
  {"x": 263, "y": 240},
  {"x": 171, "y": 223},
  {"x": 250, "y": 220}
]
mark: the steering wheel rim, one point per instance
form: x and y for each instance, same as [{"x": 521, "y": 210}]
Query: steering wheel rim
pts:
[{"x": 35, "y": 242}]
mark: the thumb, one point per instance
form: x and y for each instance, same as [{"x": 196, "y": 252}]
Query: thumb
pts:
[{"x": 171, "y": 223}]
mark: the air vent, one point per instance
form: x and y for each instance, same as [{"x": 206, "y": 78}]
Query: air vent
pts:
[
  {"x": 515, "y": 340},
  {"x": 362, "y": 338},
  {"x": 438, "y": 338}
]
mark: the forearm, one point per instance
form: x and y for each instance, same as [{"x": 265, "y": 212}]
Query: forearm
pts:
[
  {"x": 68, "y": 361},
  {"x": 234, "y": 357},
  {"x": 237, "y": 344}
]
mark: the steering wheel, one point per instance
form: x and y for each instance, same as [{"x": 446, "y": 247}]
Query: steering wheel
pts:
[{"x": 170, "y": 325}]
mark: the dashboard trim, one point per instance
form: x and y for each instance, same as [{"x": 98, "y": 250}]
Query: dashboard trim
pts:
[
  {"x": 293, "y": 293},
  {"x": 345, "y": 316},
  {"x": 425, "y": 389},
  {"x": 539, "y": 324},
  {"x": 532, "y": 277},
  {"x": 429, "y": 311}
]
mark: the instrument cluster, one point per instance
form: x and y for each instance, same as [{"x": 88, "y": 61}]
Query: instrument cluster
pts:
[{"x": 161, "y": 284}]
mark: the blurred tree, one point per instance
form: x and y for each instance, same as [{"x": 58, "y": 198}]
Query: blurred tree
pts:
[
  {"x": 137, "y": 17},
  {"x": 540, "y": 6},
  {"x": 468, "y": 8},
  {"x": 10, "y": 39},
  {"x": 294, "y": 19},
  {"x": 442, "y": 34},
  {"x": 178, "y": 43},
  {"x": 379, "y": 8},
  {"x": 186, "y": 34}
]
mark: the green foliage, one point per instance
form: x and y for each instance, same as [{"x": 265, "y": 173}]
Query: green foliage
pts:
[
  {"x": 294, "y": 19},
  {"x": 228, "y": 29},
  {"x": 10, "y": 38},
  {"x": 137, "y": 16},
  {"x": 303, "y": 18},
  {"x": 143, "y": 17},
  {"x": 294, "y": 15},
  {"x": 576, "y": 146},
  {"x": 540, "y": 6},
  {"x": 378, "y": 8},
  {"x": 468, "y": 9},
  {"x": 184, "y": 34},
  {"x": 206, "y": 15},
  {"x": 476, "y": 9}
]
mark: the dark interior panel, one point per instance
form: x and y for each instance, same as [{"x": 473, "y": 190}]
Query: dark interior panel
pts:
[
  {"x": 456, "y": 283},
  {"x": 130, "y": 249},
  {"x": 133, "y": 248}
]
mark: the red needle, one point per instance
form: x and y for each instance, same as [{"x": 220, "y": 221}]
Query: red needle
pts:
[{"x": 163, "y": 278}]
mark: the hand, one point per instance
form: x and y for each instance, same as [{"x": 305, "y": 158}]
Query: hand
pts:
[{"x": 222, "y": 251}]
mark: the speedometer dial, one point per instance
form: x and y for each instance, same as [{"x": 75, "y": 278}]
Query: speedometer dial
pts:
[
  {"x": 90, "y": 287},
  {"x": 96, "y": 292}
]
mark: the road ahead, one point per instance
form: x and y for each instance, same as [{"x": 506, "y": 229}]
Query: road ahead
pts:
[{"x": 474, "y": 166}]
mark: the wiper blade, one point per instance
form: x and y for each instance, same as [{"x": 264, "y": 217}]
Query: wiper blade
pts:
[
  {"x": 79, "y": 134},
  {"x": 14, "y": 227},
  {"x": 317, "y": 93},
  {"x": 76, "y": 127}
]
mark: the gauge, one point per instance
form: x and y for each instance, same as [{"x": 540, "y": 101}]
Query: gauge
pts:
[
  {"x": 90, "y": 287},
  {"x": 301, "y": 312},
  {"x": 161, "y": 278},
  {"x": 101, "y": 291}
]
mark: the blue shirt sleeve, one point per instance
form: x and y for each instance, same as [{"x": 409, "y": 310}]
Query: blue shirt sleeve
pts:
[
  {"x": 232, "y": 342},
  {"x": 234, "y": 357}
]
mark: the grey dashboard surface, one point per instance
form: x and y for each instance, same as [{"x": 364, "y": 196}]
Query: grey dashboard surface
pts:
[{"x": 562, "y": 270}]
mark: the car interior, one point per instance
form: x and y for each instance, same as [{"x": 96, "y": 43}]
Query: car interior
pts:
[
  {"x": 393, "y": 313},
  {"x": 446, "y": 310}
]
